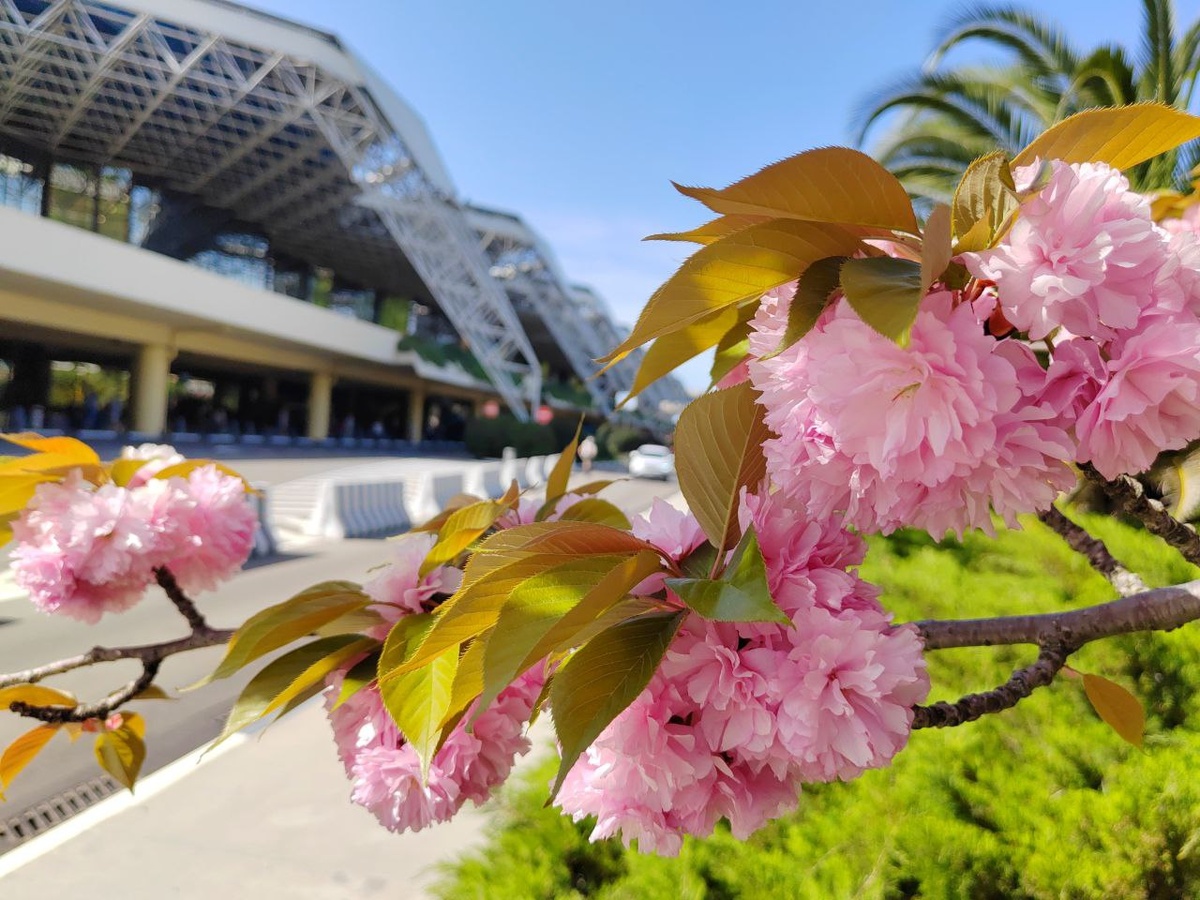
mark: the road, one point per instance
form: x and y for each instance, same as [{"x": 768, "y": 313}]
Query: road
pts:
[{"x": 176, "y": 727}]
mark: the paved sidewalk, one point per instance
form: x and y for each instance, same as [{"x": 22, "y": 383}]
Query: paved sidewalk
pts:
[{"x": 268, "y": 818}]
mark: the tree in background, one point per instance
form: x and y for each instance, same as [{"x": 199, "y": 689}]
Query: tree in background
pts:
[{"x": 945, "y": 116}]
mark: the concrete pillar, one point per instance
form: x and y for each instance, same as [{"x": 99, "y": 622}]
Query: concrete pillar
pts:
[
  {"x": 416, "y": 414},
  {"x": 152, "y": 376},
  {"x": 320, "y": 405}
]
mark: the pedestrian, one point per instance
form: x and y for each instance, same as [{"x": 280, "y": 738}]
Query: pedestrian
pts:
[{"x": 587, "y": 452}]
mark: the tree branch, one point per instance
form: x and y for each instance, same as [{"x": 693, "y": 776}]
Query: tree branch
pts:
[
  {"x": 1131, "y": 499},
  {"x": 182, "y": 601},
  {"x": 1023, "y": 682},
  {"x": 147, "y": 653},
  {"x": 1094, "y": 551},
  {"x": 1162, "y": 609},
  {"x": 57, "y": 715}
]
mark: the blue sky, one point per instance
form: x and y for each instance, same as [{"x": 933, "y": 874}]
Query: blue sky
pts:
[{"x": 577, "y": 116}]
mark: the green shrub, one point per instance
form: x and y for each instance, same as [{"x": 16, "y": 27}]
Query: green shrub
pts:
[
  {"x": 614, "y": 439},
  {"x": 486, "y": 438},
  {"x": 1042, "y": 802}
]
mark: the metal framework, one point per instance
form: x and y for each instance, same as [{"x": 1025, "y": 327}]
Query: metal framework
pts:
[
  {"x": 283, "y": 143},
  {"x": 665, "y": 396},
  {"x": 519, "y": 262}
]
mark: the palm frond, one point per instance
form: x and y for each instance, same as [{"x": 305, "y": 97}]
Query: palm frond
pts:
[
  {"x": 1040, "y": 46},
  {"x": 1156, "y": 60}
]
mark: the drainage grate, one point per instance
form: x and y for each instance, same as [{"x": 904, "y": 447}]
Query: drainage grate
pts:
[{"x": 40, "y": 818}]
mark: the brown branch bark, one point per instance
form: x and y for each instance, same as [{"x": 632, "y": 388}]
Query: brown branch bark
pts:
[
  {"x": 1094, "y": 551},
  {"x": 57, "y": 715},
  {"x": 1023, "y": 682},
  {"x": 1130, "y": 497},
  {"x": 182, "y": 601},
  {"x": 147, "y": 653},
  {"x": 1162, "y": 609}
]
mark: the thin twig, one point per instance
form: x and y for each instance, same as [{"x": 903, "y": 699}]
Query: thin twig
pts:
[
  {"x": 1023, "y": 682},
  {"x": 1130, "y": 497},
  {"x": 182, "y": 601},
  {"x": 57, "y": 715},
  {"x": 1094, "y": 551},
  {"x": 147, "y": 653}
]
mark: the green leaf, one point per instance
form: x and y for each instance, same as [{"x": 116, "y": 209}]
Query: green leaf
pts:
[
  {"x": 1122, "y": 136},
  {"x": 556, "y": 481},
  {"x": 983, "y": 201},
  {"x": 121, "y": 754},
  {"x": 362, "y": 674},
  {"x": 285, "y": 622},
  {"x": 740, "y": 595},
  {"x": 552, "y": 608},
  {"x": 829, "y": 184},
  {"x": 710, "y": 231},
  {"x": 593, "y": 509},
  {"x": 1117, "y": 707},
  {"x": 718, "y": 451},
  {"x": 602, "y": 678},
  {"x": 289, "y": 675},
  {"x": 315, "y": 674},
  {"x": 885, "y": 292},
  {"x": 460, "y": 530},
  {"x": 670, "y": 351},
  {"x": 733, "y": 270},
  {"x": 22, "y": 751},
  {"x": 733, "y": 346},
  {"x": 419, "y": 701},
  {"x": 545, "y": 539},
  {"x": 936, "y": 248},
  {"x": 813, "y": 290},
  {"x": 465, "y": 616}
]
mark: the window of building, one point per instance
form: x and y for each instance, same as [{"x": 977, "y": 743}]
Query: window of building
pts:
[
  {"x": 73, "y": 195},
  {"x": 20, "y": 186},
  {"x": 144, "y": 206},
  {"x": 242, "y": 257},
  {"x": 394, "y": 312},
  {"x": 113, "y": 204}
]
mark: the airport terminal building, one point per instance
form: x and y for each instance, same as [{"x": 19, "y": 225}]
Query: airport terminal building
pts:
[{"x": 215, "y": 219}]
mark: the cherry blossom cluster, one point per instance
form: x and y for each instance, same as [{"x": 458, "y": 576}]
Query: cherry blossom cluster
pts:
[
  {"x": 739, "y": 716},
  {"x": 84, "y": 550},
  {"x": 1078, "y": 340},
  {"x": 383, "y": 768}
]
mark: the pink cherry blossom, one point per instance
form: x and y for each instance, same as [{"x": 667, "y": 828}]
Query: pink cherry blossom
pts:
[
  {"x": 215, "y": 526},
  {"x": 924, "y": 435},
  {"x": 1083, "y": 254},
  {"x": 739, "y": 716},
  {"x": 83, "y": 551},
  {"x": 1150, "y": 401},
  {"x": 399, "y": 589},
  {"x": 385, "y": 773}
]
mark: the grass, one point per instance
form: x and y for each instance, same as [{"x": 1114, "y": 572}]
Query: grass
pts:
[{"x": 1043, "y": 801}]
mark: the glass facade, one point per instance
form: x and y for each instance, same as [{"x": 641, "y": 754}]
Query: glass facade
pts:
[{"x": 108, "y": 200}]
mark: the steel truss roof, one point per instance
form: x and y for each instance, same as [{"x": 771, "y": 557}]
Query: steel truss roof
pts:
[{"x": 284, "y": 143}]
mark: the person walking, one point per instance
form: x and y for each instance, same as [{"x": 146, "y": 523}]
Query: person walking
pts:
[{"x": 587, "y": 452}]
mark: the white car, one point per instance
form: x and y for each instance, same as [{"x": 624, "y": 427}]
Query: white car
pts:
[{"x": 652, "y": 461}]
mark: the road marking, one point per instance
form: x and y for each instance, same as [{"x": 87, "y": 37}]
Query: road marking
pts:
[{"x": 153, "y": 784}]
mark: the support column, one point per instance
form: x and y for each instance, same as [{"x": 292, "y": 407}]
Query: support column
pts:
[
  {"x": 152, "y": 376},
  {"x": 320, "y": 405},
  {"x": 416, "y": 414}
]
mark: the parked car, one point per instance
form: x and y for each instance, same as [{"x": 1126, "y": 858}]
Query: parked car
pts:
[{"x": 652, "y": 461}]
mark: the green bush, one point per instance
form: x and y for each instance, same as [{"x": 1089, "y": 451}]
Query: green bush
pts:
[
  {"x": 486, "y": 438},
  {"x": 1041, "y": 802},
  {"x": 614, "y": 439}
]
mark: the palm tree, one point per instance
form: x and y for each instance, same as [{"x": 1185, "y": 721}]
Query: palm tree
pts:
[{"x": 950, "y": 116}]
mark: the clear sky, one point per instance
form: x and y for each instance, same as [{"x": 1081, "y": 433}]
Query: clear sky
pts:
[{"x": 577, "y": 115}]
